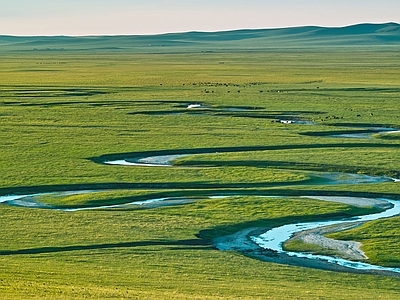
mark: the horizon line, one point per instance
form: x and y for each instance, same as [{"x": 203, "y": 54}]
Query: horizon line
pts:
[{"x": 205, "y": 31}]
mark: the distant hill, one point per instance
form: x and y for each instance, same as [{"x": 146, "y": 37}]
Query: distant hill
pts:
[{"x": 361, "y": 35}]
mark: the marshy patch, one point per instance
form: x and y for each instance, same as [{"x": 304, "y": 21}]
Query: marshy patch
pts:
[
  {"x": 48, "y": 92},
  {"x": 360, "y": 131},
  {"x": 391, "y": 136},
  {"x": 254, "y": 112}
]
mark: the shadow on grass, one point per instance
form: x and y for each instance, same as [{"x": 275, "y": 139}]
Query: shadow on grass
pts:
[
  {"x": 358, "y": 128},
  {"x": 99, "y": 103},
  {"x": 189, "y": 244},
  {"x": 118, "y": 156},
  {"x": 204, "y": 188},
  {"x": 266, "y": 224},
  {"x": 295, "y": 166},
  {"x": 202, "y": 242},
  {"x": 182, "y": 186},
  {"x": 240, "y": 111},
  {"x": 302, "y": 166},
  {"x": 362, "y": 125},
  {"x": 55, "y": 93},
  {"x": 189, "y": 194}
]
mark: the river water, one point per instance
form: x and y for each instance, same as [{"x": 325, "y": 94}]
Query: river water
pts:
[{"x": 272, "y": 239}]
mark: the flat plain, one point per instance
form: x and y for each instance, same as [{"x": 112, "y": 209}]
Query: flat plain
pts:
[{"x": 267, "y": 121}]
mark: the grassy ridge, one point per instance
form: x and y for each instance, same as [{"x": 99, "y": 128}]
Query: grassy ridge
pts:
[
  {"x": 377, "y": 35},
  {"x": 58, "y": 112}
]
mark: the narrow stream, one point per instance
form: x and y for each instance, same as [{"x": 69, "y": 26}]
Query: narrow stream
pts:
[{"x": 31, "y": 201}]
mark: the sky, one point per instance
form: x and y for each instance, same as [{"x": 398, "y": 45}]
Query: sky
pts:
[{"x": 124, "y": 17}]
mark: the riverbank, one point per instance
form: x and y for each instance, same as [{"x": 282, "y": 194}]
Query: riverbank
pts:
[
  {"x": 251, "y": 242},
  {"x": 345, "y": 249},
  {"x": 242, "y": 242}
]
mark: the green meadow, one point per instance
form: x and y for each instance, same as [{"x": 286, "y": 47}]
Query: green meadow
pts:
[{"x": 63, "y": 113}]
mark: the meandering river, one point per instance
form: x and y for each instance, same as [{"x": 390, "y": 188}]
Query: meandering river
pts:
[{"x": 272, "y": 239}]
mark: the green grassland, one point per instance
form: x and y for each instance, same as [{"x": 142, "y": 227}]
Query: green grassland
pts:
[
  {"x": 62, "y": 112},
  {"x": 372, "y": 234}
]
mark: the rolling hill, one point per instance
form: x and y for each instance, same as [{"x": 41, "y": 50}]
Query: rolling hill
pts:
[{"x": 361, "y": 35}]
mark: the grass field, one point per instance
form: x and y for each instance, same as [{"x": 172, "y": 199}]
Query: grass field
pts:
[{"x": 61, "y": 113}]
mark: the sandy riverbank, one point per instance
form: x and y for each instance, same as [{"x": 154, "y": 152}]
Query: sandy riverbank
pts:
[
  {"x": 242, "y": 243},
  {"x": 345, "y": 249}
]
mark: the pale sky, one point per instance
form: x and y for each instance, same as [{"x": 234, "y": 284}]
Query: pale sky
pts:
[{"x": 122, "y": 17}]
